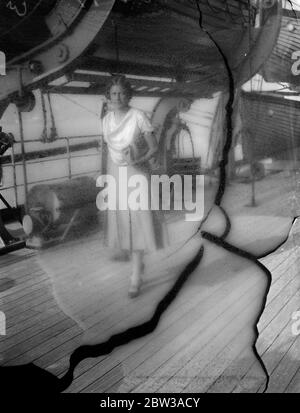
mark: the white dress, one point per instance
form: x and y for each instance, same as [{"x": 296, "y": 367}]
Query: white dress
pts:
[{"x": 130, "y": 229}]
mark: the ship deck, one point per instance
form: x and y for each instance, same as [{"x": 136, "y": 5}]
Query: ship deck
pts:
[{"x": 59, "y": 298}]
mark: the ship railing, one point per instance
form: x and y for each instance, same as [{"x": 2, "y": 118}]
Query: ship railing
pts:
[{"x": 69, "y": 152}]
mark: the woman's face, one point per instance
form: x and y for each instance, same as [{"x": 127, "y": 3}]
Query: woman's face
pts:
[{"x": 118, "y": 97}]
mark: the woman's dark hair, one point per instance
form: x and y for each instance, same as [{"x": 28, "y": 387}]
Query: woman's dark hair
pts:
[{"x": 119, "y": 80}]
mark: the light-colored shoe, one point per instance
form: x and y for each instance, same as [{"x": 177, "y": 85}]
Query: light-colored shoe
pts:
[
  {"x": 134, "y": 289},
  {"x": 135, "y": 286}
]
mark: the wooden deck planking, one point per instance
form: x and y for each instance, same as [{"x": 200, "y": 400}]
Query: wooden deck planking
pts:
[
  {"x": 274, "y": 277},
  {"x": 275, "y": 318},
  {"x": 175, "y": 321},
  {"x": 282, "y": 301},
  {"x": 23, "y": 318},
  {"x": 289, "y": 302},
  {"x": 294, "y": 385},
  {"x": 13, "y": 294},
  {"x": 26, "y": 289},
  {"x": 21, "y": 278},
  {"x": 44, "y": 292},
  {"x": 268, "y": 339},
  {"x": 26, "y": 350},
  {"x": 200, "y": 322},
  {"x": 234, "y": 353},
  {"x": 181, "y": 306},
  {"x": 272, "y": 339},
  {"x": 286, "y": 369},
  {"x": 41, "y": 338},
  {"x": 191, "y": 361},
  {"x": 125, "y": 309},
  {"x": 35, "y": 328},
  {"x": 152, "y": 372},
  {"x": 39, "y": 302},
  {"x": 29, "y": 312},
  {"x": 35, "y": 291},
  {"x": 276, "y": 352},
  {"x": 127, "y": 302},
  {"x": 36, "y": 320},
  {"x": 51, "y": 342},
  {"x": 275, "y": 196},
  {"x": 241, "y": 347},
  {"x": 279, "y": 303},
  {"x": 176, "y": 302}
]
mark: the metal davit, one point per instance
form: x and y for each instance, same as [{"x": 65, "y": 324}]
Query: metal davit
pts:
[{"x": 41, "y": 39}]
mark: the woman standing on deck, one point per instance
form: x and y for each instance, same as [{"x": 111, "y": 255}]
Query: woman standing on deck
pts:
[{"x": 131, "y": 145}]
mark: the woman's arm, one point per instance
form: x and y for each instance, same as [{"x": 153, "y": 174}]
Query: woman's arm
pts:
[{"x": 152, "y": 148}]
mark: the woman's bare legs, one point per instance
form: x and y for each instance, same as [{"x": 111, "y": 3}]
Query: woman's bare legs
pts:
[{"x": 137, "y": 270}]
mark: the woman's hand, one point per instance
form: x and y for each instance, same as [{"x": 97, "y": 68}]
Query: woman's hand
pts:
[
  {"x": 149, "y": 156},
  {"x": 152, "y": 150},
  {"x": 127, "y": 154}
]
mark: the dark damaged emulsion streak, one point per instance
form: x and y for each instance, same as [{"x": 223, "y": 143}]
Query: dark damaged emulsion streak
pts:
[
  {"x": 30, "y": 379},
  {"x": 229, "y": 112},
  {"x": 220, "y": 241},
  {"x": 132, "y": 333}
]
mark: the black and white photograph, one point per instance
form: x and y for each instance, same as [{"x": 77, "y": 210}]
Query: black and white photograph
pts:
[{"x": 149, "y": 199}]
